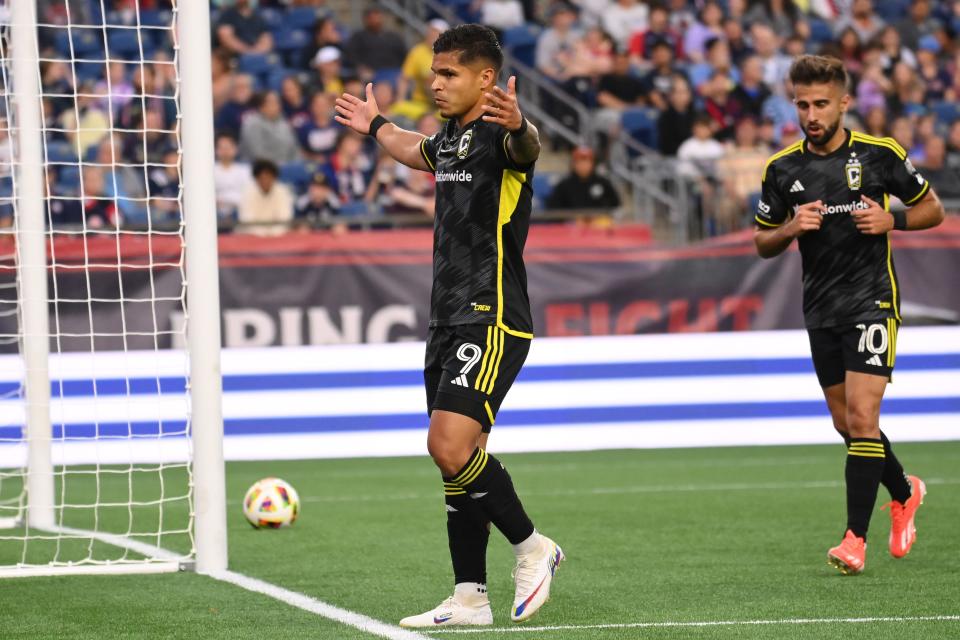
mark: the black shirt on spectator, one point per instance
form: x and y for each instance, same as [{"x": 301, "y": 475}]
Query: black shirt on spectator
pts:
[
  {"x": 673, "y": 128},
  {"x": 573, "y": 192},
  {"x": 383, "y": 50},
  {"x": 623, "y": 87},
  {"x": 246, "y": 28}
]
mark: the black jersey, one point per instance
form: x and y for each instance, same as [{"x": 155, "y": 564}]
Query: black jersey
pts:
[
  {"x": 480, "y": 227},
  {"x": 848, "y": 276}
]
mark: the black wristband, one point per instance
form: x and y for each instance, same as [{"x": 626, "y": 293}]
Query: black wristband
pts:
[
  {"x": 378, "y": 122},
  {"x": 900, "y": 220},
  {"x": 522, "y": 130}
]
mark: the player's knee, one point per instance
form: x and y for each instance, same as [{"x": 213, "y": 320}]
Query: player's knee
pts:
[
  {"x": 862, "y": 420},
  {"x": 448, "y": 457}
]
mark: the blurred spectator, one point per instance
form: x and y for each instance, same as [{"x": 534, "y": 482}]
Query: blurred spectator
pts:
[
  {"x": 749, "y": 95},
  {"x": 318, "y": 133},
  {"x": 918, "y": 23},
  {"x": 736, "y": 40},
  {"x": 681, "y": 15},
  {"x": 708, "y": 26},
  {"x": 953, "y": 145},
  {"x": 739, "y": 172},
  {"x": 266, "y": 135},
  {"x": 230, "y": 178},
  {"x": 935, "y": 77},
  {"x": 327, "y": 63},
  {"x": 267, "y": 205},
  {"x": 240, "y": 29},
  {"x": 776, "y": 65},
  {"x": 325, "y": 34},
  {"x": 231, "y": 115},
  {"x": 676, "y": 122},
  {"x": 893, "y": 51},
  {"x": 222, "y": 79},
  {"x": 124, "y": 181},
  {"x": 90, "y": 127},
  {"x": 318, "y": 206},
  {"x": 117, "y": 91},
  {"x": 718, "y": 106},
  {"x": 617, "y": 91},
  {"x": 875, "y": 122},
  {"x": 64, "y": 211},
  {"x": 780, "y": 111},
  {"x": 659, "y": 30},
  {"x": 908, "y": 92},
  {"x": 943, "y": 178},
  {"x": 500, "y": 15},
  {"x": 850, "y": 51},
  {"x": 699, "y": 153},
  {"x": 780, "y": 15},
  {"x": 592, "y": 11},
  {"x": 583, "y": 187},
  {"x": 901, "y": 130},
  {"x": 718, "y": 59},
  {"x": 624, "y": 18},
  {"x": 862, "y": 19},
  {"x": 164, "y": 190},
  {"x": 657, "y": 82},
  {"x": 413, "y": 87},
  {"x": 348, "y": 170},
  {"x": 556, "y": 44},
  {"x": 374, "y": 47},
  {"x": 99, "y": 209},
  {"x": 292, "y": 100}
]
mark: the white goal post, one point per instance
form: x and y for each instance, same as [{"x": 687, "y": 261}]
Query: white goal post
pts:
[{"x": 111, "y": 440}]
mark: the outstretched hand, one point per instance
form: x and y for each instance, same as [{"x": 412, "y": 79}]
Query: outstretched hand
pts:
[
  {"x": 356, "y": 113},
  {"x": 501, "y": 106}
]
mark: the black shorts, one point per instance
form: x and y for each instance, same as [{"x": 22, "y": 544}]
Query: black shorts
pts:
[
  {"x": 469, "y": 369},
  {"x": 864, "y": 347}
]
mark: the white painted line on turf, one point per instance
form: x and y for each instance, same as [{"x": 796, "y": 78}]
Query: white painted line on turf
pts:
[
  {"x": 706, "y": 623},
  {"x": 301, "y": 601},
  {"x": 293, "y": 598}
]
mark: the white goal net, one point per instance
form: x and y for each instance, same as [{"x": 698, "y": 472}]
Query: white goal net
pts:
[{"x": 96, "y": 462}]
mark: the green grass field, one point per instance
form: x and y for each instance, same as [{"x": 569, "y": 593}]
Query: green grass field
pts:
[{"x": 693, "y": 535}]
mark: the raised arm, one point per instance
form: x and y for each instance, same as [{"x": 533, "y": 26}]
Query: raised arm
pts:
[
  {"x": 402, "y": 145},
  {"x": 502, "y": 109}
]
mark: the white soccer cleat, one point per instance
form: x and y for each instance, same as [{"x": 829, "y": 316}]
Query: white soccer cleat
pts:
[
  {"x": 452, "y": 612},
  {"x": 533, "y": 575}
]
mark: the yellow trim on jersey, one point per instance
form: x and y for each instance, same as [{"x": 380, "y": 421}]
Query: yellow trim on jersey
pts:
[
  {"x": 866, "y": 455},
  {"x": 889, "y": 143},
  {"x": 892, "y": 328},
  {"x": 511, "y": 186},
  {"x": 483, "y": 363},
  {"x": 426, "y": 158},
  {"x": 767, "y": 224},
  {"x": 796, "y": 146},
  {"x": 486, "y": 405},
  {"x": 492, "y": 344},
  {"x": 893, "y": 281},
  {"x": 496, "y": 366},
  {"x": 922, "y": 193}
]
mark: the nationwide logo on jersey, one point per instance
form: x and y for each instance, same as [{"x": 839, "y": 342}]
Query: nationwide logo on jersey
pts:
[
  {"x": 464, "y": 147},
  {"x": 831, "y": 209},
  {"x": 854, "y": 172}
]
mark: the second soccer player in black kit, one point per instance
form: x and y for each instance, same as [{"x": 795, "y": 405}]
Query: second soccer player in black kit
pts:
[
  {"x": 831, "y": 191},
  {"x": 480, "y": 324}
]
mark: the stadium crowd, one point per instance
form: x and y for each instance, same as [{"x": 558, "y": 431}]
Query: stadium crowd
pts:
[{"x": 703, "y": 82}]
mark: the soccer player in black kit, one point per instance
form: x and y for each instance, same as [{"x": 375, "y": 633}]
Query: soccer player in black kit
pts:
[
  {"x": 480, "y": 323},
  {"x": 831, "y": 192}
]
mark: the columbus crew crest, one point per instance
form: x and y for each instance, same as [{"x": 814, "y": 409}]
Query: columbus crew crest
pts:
[
  {"x": 464, "y": 148},
  {"x": 854, "y": 172}
]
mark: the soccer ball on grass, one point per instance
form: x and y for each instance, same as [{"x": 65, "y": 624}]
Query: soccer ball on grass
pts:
[{"x": 271, "y": 503}]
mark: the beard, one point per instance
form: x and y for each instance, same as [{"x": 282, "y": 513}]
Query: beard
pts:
[{"x": 826, "y": 134}]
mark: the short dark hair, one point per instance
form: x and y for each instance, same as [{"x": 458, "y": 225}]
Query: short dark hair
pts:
[
  {"x": 268, "y": 166},
  {"x": 810, "y": 69},
  {"x": 474, "y": 42}
]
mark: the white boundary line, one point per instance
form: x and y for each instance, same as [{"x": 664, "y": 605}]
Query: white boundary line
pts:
[
  {"x": 706, "y": 623},
  {"x": 299, "y": 600}
]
